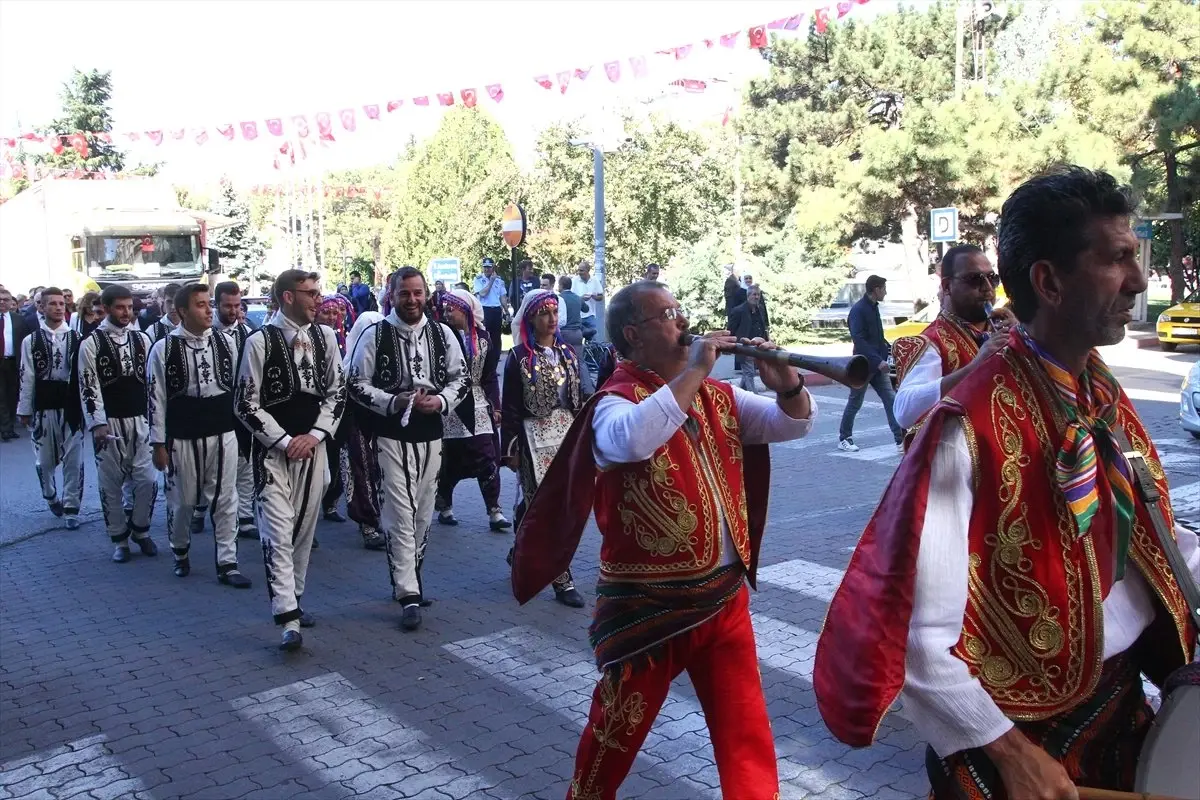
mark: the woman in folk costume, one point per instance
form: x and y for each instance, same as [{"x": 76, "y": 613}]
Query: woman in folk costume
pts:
[
  {"x": 541, "y": 397},
  {"x": 362, "y": 473},
  {"x": 469, "y": 447},
  {"x": 335, "y": 312}
]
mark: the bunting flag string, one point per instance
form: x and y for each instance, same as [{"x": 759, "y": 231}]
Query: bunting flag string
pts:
[{"x": 348, "y": 119}]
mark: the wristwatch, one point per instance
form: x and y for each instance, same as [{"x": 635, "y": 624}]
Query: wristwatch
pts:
[{"x": 790, "y": 393}]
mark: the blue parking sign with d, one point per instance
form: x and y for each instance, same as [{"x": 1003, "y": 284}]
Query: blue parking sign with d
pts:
[
  {"x": 943, "y": 225},
  {"x": 446, "y": 270}
]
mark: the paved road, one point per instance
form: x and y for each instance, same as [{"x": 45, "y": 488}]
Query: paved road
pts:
[{"x": 124, "y": 681}]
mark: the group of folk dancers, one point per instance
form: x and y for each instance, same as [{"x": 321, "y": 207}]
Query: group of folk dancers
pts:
[{"x": 1010, "y": 588}]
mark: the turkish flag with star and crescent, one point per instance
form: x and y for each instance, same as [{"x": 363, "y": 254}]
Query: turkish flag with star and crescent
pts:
[
  {"x": 249, "y": 131},
  {"x": 348, "y": 121},
  {"x": 275, "y": 126},
  {"x": 495, "y": 91}
]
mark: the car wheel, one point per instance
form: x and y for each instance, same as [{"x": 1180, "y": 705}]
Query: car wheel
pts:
[{"x": 1168, "y": 346}]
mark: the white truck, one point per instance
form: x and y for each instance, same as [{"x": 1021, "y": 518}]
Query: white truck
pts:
[{"x": 74, "y": 233}]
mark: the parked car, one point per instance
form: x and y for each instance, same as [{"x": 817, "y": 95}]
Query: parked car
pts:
[
  {"x": 1189, "y": 401},
  {"x": 836, "y": 314},
  {"x": 1180, "y": 324},
  {"x": 256, "y": 311}
]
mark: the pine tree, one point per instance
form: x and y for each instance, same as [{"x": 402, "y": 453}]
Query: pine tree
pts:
[
  {"x": 86, "y": 112},
  {"x": 241, "y": 248}
]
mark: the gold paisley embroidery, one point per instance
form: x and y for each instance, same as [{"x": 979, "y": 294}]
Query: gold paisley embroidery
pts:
[{"x": 621, "y": 718}]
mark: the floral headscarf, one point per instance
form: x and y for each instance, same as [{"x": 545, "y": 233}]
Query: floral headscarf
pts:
[
  {"x": 469, "y": 304},
  {"x": 346, "y": 309},
  {"x": 522, "y": 329}
]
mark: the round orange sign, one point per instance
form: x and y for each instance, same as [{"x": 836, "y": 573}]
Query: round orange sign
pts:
[{"x": 512, "y": 226}]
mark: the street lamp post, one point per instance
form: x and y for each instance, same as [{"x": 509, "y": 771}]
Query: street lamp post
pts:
[{"x": 597, "y": 227}]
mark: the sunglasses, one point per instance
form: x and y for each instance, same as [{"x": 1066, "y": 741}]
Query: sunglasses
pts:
[
  {"x": 979, "y": 280},
  {"x": 667, "y": 315}
]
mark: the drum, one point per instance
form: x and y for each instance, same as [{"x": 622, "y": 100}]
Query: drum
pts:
[{"x": 1170, "y": 759}]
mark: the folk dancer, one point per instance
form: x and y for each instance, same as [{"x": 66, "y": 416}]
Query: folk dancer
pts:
[
  {"x": 542, "y": 394},
  {"x": 408, "y": 371},
  {"x": 191, "y": 385},
  {"x": 227, "y": 297},
  {"x": 1024, "y": 581},
  {"x": 49, "y": 404},
  {"x": 169, "y": 318},
  {"x": 291, "y": 394},
  {"x": 112, "y": 386},
  {"x": 336, "y": 312},
  {"x": 676, "y": 467},
  {"x": 469, "y": 449},
  {"x": 966, "y": 333},
  {"x": 362, "y": 474}
]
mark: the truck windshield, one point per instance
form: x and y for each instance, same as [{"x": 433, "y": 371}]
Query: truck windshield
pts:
[{"x": 114, "y": 257}]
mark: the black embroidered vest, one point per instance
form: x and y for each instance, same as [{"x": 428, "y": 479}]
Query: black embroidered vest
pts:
[
  {"x": 391, "y": 372},
  {"x": 124, "y": 395},
  {"x": 52, "y": 395},
  {"x": 188, "y": 416},
  {"x": 294, "y": 410}
]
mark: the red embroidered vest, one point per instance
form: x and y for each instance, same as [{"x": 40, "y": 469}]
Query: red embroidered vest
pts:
[
  {"x": 661, "y": 518},
  {"x": 955, "y": 345}
]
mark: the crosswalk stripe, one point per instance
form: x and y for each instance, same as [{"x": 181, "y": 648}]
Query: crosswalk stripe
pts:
[
  {"x": 878, "y": 453},
  {"x": 82, "y": 765},
  {"x": 803, "y": 577},
  {"x": 301, "y": 717},
  {"x": 830, "y": 440}
]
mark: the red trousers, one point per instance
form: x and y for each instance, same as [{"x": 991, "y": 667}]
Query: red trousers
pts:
[{"x": 720, "y": 658}]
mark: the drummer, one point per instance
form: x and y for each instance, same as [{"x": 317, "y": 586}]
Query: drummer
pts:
[{"x": 1036, "y": 566}]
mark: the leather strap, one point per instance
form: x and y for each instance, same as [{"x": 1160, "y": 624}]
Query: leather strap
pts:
[{"x": 1150, "y": 495}]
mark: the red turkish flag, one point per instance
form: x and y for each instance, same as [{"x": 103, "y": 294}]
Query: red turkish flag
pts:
[
  {"x": 730, "y": 39},
  {"x": 300, "y": 123},
  {"x": 32, "y": 137},
  {"x": 226, "y": 131},
  {"x": 544, "y": 81},
  {"x": 378, "y": 193},
  {"x": 613, "y": 70},
  {"x": 861, "y": 2},
  {"x": 59, "y": 145},
  {"x": 564, "y": 80},
  {"x": 758, "y": 37},
  {"x": 393, "y": 105},
  {"x": 202, "y": 136},
  {"x": 469, "y": 97},
  {"x": 249, "y": 130},
  {"x": 348, "y": 121},
  {"x": 178, "y": 134},
  {"x": 421, "y": 101},
  {"x": 10, "y": 143},
  {"x": 133, "y": 136},
  {"x": 844, "y": 8},
  {"x": 324, "y": 126},
  {"x": 154, "y": 136},
  {"x": 446, "y": 98},
  {"x": 495, "y": 91},
  {"x": 582, "y": 74},
  {"x": 639, "y": 66},
  {"x": 275, "y": 126},
  {"x": 372, "y": 111},
  {"x": 821, "y": 15},
  {"x": 682, "y": 52}
]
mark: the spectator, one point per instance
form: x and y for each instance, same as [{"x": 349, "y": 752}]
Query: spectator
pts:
[
  {"x": 88, "y": 315},
  {"x": 866, "y": 329},
  {"x": 493, "y": 296},
  {"x": 32, "y": 312},
  {"x": 750, "y": 321},
  {"x": 570, "y": 325},
  {"x": 69, "y": 298},
  {"x": 735, "y": 295},
  {"x": 526, "y": 282},
  {"x": 360, "y": 293},
  {"x": 591, "y": 291},
  {"x": 13, "y": 329},
  {"x": 651, "y": 273}
]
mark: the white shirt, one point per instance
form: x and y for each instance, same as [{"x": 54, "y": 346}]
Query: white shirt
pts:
[
  {"x": 9, "y": 344},
  {"x": 921, "y": 388},
  {"x": 60, "y": 364},
  {"x": 200, "y": 361},
  {"x": 89, "y": 383},
  {"x": 626, "y": 433},
  {"x": 415, "y": 373},
  {"x": 950, "y": 708},
  {"x": 592, "y": 285}
]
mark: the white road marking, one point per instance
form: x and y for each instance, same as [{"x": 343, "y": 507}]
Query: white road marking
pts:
[
  {"x": 71, "y": 769},
  {"x": 301, "y": 717},
  {"x": 829, "y": 440},
  {"x": 878, "y": 453},
  {"x": 803, "y": 577},
  {"x": 1153, "y": 395}
]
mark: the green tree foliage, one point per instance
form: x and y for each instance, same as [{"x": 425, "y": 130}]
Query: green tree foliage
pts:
[
  {"x": 241, "y": 248},
  {"x": 85, "y": 98},
  {"x": 358, "y": 214}
]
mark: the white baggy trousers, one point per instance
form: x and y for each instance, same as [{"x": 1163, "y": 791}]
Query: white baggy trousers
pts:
[
  {"x": 54, "y": 443},
  {"x": 288, "y": 501},
  {"x": 408, "y": 475},
  {"x": 203, "y": 473},
  {"x": 125, "y": 465}
]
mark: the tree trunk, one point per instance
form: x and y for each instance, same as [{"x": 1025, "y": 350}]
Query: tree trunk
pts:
[
  {"x": 1175, "y": 206},
  {"x": 916, "y": 255},
  {"x": 377, "y": 256}
]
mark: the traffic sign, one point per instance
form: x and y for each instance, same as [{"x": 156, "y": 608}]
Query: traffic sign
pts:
[
  {"x": 446, "y": 270},
  {"x": 1143, "y": 229},
  {"x": 512, "y": 226},
  {"x": 943, "y": 225}
]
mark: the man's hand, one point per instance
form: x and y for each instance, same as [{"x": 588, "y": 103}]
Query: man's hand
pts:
[
  {"x": 100, "y": 436},
  {"x": 25, "y": 419},
  {"x": 495, "y": 417},
  {"x": 160, "y": 457},
  {"x": 1028, "y": 771},
  {"x": 1004, "y": 317},
  {"x": 776, "y": 375},
  {"x": 513, "y": 461},
  {"x": 427, "y": 403},
  {"x": 302, "y": 446},
  {"x": 995, "y": 341},
  {"x": 704, "y": 350},
  {"x": 883, "y": 366}
]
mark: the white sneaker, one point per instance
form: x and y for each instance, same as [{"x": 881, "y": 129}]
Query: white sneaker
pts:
[
  {"x": 900, "y": 448},
  {"x": 848, "y": 446}
]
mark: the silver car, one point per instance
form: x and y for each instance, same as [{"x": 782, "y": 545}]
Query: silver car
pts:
[{"x": 1189, "y": 401}]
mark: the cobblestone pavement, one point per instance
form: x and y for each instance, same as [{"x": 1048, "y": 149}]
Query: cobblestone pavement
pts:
[{"x": 122, "y": 681}]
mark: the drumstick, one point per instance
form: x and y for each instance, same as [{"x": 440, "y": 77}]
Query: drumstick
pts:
[{"x": 1108, "y": 794}]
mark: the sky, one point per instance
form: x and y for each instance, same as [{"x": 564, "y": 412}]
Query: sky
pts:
[{"x": 189, "y": 64}]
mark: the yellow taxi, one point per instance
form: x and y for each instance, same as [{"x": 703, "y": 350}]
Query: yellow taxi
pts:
[
  {"x": 920, "y": 320},
  {"x": 1180, "y": 324}
]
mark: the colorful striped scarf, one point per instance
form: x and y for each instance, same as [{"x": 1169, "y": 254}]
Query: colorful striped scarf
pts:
[{"x": 1090, "y": 405}]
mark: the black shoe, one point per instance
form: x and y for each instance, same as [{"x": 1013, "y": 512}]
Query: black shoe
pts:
[
  {"x": 509, "y": 557},
  {"x": 447, "y": 518},
  {"x": 410, "y": 620},
  {"x": 291, "y": 641},
  {"x": 183, "y": 568},
  {"x": 56, "y": 508},
  {"x": 120, "y": 554},
  {"x": 307, "y": 620},
  {"x": 247, "y": 529},
  {"x": 197, "y": 524},
  {"x": 333, "y": 515},
  {"x": 8, "y": 436},
  {"x": 235, "y": 579},
  {"x": 497, "y": 522},
  {"x": 425, "y": 602},
  {"x": 316, "y": 545},
  {"x": 569, "y": 597},
  {"x": 147, "y": 546},
  {"x": 373, "y": 539}
]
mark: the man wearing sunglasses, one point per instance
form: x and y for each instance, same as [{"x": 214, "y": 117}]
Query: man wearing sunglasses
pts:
[{"x": 965, "y": 334}]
